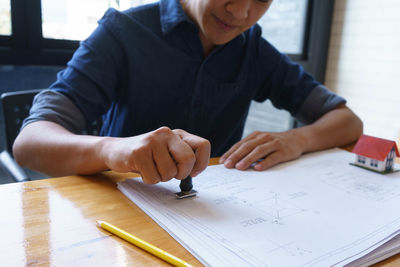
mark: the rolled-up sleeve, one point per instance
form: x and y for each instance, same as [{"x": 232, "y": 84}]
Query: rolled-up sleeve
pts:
[
  {"x": 318, "y": 102},
  {"x": 50, "y": 105}
]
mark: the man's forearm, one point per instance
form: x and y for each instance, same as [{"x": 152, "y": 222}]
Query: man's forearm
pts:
[
  {"x": 158, "y": 156},
  {"x": 336, "y": 128},
  {"x": 49, "y": 148}
]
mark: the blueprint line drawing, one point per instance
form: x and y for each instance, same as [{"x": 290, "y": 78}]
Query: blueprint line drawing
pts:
[{"x": 315, "y": 211}]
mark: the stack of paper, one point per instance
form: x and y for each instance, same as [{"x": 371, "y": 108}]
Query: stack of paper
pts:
[{"x": 315, "y": 211}]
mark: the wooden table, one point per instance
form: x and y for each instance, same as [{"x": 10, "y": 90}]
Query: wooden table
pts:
[{"x": 52, "y": 223}]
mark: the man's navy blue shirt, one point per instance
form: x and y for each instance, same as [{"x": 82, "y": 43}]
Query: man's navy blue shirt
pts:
[{"x": 145, "y": 68}]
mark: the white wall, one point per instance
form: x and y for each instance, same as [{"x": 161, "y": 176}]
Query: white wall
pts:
[{"x": 364, "y": 62}]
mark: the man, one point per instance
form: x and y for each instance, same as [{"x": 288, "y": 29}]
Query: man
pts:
[{"x": 193, "y": 66}]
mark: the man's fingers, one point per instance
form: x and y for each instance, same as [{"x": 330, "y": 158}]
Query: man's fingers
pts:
[
  {"x": 230, "y": 158},
  {"x": 148, "y": 170},
  {"x": 242, "y": 151},
  {"x": 183, "y": 156},
  {"x": 260, "y": 151},
  {"x": 270, "y": 161},
  {"x": 201, "y": 148},
  {"x": 164, "y": 154},
  {"x": 225, "y": 156},
  {"x": 159, "y": 155},
  {"x": 165, "y": 164},
  {"x": 202, "y": 154}
]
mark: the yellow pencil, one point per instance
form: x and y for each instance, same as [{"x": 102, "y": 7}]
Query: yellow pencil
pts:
[{"x": 142, "y": 244}]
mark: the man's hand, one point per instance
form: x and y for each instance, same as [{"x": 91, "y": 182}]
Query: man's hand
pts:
[
  {"x": 265, "y": 149},
  {"x": 159, "y": 155},
  {"x": 337, "y": 127}
]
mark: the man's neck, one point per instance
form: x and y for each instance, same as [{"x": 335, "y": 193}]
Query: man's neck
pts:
[{"x": 208, "y": 47}]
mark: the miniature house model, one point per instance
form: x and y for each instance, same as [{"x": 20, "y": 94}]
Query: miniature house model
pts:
[{"x": 375, "y": 153}]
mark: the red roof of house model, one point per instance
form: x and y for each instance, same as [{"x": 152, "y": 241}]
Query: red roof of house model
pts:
[{"x": 374, "y": 147}]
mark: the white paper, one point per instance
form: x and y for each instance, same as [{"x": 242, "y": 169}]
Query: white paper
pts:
[{"x": 315, "y": 211}]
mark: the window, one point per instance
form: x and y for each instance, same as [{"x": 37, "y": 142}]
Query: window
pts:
[
  {"x": 71, "y": 19},
  {"x": 284, "y": 25},
  {"x": 361, "y": 159},
  {"x": 5, "y": 17},
  {"x": 374, "y": 163},
  {"x": 76, "y": 19}
]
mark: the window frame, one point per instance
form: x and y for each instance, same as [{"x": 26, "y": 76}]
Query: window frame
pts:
[
  {"x": 317, "y": 36},
  {"x": 26, "y": 45}
]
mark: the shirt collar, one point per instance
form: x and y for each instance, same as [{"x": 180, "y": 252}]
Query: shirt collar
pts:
[{"x": 171, "y": 14}]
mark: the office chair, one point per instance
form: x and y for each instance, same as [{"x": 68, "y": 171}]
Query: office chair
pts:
[{"x": 16, "y": 106}]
